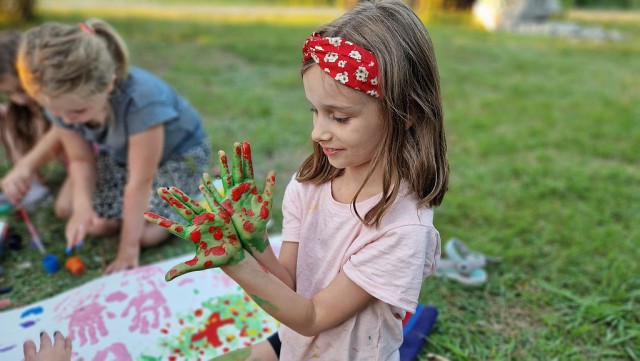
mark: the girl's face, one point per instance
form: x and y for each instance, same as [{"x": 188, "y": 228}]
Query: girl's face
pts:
[
  {"x": 73, "y": 108},
  {"x": 346, "y": 122},
  {"x": 10, "y": 85}
]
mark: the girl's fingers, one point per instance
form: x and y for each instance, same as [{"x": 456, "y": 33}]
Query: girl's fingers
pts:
[
  {"x": 58, "y": 337},
  {"x": 195, "y": 207},
  {"x": 74, "y": 236},
  {"x": 45, "y": 341},
  {"x": 210, "y": 192},
  {"x": 227, "y": 181},
  {"x": 177, "y": 202},
  {"x": 68, "y": 345},
  {"x": 171, "y": 226},
  {"x": 236, "y": 167},
  {"x": 29, "y": 349},
  {"x": 269, "y": 185},
  {"x": 247, "y": 162}
]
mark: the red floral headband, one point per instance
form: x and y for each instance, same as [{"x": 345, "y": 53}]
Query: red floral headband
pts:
[{"x": 345, "y": 61}]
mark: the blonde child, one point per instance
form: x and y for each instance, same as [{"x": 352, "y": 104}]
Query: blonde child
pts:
[
  {"x": 26, "y": 137},
  {"x": 146, "y": 135},
  {"x": 358, "y": 234}
]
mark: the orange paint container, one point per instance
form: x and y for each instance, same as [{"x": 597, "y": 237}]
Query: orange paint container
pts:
[{"x": 75, "y": 265}]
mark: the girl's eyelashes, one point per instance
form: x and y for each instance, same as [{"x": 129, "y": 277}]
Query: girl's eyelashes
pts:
[
  {"x": 334, "y": 117},
  {"x": 340, "y": 119}
]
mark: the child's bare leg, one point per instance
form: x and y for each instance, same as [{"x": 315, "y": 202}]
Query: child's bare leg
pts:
[
  {"x": 153, "y": 235},
  {"x": 104, "y": 227}
]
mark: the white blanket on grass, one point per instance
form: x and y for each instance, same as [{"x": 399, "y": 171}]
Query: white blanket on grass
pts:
[{"x": 136, "y": 315}]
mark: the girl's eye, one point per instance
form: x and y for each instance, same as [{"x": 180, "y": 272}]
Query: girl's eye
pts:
[
  {"x": 313, "y": 110},
  {"x": 341, "y": 119}
]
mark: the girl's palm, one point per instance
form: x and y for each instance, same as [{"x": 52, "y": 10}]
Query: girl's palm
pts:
[{"x": 213, "y": 234}]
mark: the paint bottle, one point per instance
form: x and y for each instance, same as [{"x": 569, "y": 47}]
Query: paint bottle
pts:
[
  {"x": 50, "y": 263},
  {"x": 74, "y": 265}
]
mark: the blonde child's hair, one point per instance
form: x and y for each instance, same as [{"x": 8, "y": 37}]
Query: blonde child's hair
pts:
[
  {"x": 413, "y": 146},
  {"x": 56, "y": 58}
]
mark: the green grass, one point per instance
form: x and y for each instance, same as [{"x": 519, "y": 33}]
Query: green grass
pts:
[{"x": 543, "y": 144}]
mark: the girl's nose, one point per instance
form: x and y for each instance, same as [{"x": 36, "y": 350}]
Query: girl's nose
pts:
[{"x": 320, "y": 132}]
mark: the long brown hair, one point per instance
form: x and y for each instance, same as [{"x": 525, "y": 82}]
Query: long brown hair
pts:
[
  {"x": 21, "y": 124},
  {"x": 413, "y": 147}
]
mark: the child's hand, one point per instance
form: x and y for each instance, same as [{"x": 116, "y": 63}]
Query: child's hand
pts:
[
  {"x": 213, "y": 233},
  {"x": 16, "y": 183},
  {"x": 249, "y": 210},
  {"x": 60, "y": 350}
]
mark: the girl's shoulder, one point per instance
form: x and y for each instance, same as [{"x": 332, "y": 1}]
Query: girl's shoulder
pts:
[
  {"x": 143, "y": 87},
  {"x": 406, "y": 210}
]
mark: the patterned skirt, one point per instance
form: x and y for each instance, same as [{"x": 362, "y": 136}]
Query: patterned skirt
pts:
[{"x": 183, "y": 171}]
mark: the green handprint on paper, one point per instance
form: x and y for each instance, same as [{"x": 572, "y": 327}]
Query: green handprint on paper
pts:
[
  {"x": 213, "y": 234},
  {"x": 249, "y": 210}
]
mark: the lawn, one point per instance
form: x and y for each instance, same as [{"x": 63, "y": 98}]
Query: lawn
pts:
[{"x": 543, "y": 142}]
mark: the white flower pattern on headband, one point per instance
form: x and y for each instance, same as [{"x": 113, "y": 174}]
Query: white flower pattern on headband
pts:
[
  {"x": 354, "y": 54},
  {"x": 331, "y": 57},
  {"x": 342, "y": 77},
  {"x": 344, "y": 61},
  {"x": 335, "y": 41},
  {"x": 362, "y": 74}
]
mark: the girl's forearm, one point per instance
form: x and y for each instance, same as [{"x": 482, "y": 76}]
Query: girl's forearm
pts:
[
  {"x": 136, "y": 202},
  {"x": 269, "y": 260},
  {"x": 83, "y": 181},
  {"x": 274, "y": 296}
]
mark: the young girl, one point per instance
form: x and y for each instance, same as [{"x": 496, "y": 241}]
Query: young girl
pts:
[
  {"x": 26, "y": 137},
  {"x": 146, "y": 135},
  {"x": 358, "y": 234}
]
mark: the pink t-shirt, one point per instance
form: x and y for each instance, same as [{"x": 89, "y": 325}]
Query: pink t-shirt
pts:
[{"x": 389, "y": 262}]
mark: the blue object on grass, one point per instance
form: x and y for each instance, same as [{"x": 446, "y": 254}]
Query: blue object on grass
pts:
[
  {"x": 415, "y": 331},
  {"x": 50, "y": 263}
]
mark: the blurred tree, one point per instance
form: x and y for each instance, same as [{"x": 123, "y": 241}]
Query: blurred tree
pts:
[{"x": 17, "y": 10}]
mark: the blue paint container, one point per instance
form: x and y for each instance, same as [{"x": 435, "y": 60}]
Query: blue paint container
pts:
[{"x": 50, "y": 263}]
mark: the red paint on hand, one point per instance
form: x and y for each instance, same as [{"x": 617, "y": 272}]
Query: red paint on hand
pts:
[
  {"x": 248, "y": 226},
  {"x": 218, "y": 250},
  {"x": 264, "y": 211},
  {"x": 195, "y": 236},
  {"x": 238, "y": 191}
]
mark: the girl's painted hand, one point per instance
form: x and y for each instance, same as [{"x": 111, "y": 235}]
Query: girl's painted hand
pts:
[
  {"x": 60, "y": 350},
  {"x": 250, "y": 211},
  {"x": 215, "y": 238}
]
